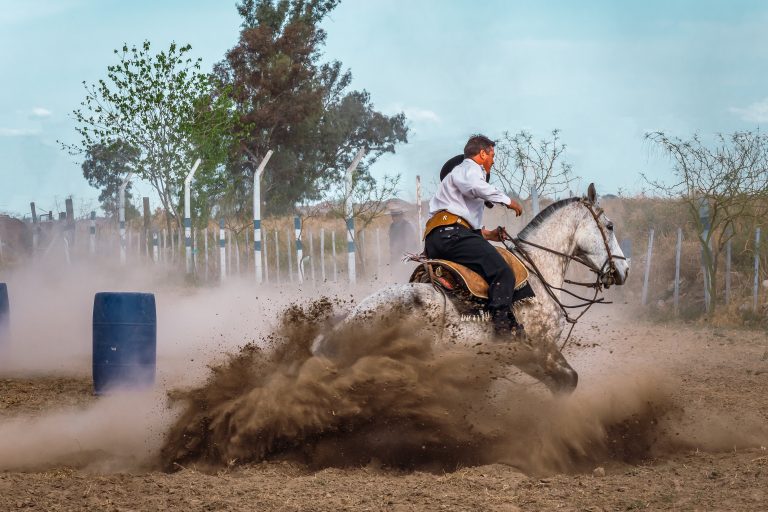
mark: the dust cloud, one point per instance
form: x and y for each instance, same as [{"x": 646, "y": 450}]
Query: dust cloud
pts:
[
  {"x": 51, "y": 318},
  {"x": 120, "y": 432},
  {"x": 390, "y": 398}
]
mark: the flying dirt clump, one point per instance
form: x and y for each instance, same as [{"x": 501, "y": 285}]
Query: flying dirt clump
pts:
[{"x": 397, "y": 397}]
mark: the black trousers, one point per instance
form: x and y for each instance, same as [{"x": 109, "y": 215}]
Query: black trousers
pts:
[{"x": 462, "y": 245}]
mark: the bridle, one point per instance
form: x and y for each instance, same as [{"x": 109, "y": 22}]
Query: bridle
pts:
[{"x": 605, "y": 274}]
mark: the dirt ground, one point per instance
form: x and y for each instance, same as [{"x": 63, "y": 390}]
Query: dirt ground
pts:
[{"x": 721, "y": 372}]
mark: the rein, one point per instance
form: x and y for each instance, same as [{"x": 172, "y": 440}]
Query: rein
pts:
[{"x": 600, "y": 272}]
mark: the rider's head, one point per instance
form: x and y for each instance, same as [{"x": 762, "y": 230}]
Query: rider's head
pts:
[{"x": 480, "y": 149}]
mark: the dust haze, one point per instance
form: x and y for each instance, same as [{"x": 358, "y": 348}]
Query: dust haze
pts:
[{"x": 237, "y": 384}]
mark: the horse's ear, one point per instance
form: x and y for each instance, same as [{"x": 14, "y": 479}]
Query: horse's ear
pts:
[{"x": 591, "y": 193}]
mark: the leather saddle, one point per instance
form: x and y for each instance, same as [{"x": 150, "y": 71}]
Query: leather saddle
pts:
[{"x": 451, "y": 275}]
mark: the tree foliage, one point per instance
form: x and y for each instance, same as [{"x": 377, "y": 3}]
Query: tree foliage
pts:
[
  {"x": 105, "y": 167},
  {"x": 160, "y": 105},
  {"x": 287, "y": 100}
]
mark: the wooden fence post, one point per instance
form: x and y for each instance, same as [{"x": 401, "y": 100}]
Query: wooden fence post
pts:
[
  {"x": 728, "y": 272},
  {"x": 756, "y": 284},
  {"x": 678, "y": 251}
]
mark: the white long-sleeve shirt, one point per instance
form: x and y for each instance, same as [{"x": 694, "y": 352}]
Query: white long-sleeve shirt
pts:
[{"x": 464, "y": 192}]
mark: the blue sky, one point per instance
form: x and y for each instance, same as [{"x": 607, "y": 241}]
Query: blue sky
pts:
[{"x": 604, "y": 72}]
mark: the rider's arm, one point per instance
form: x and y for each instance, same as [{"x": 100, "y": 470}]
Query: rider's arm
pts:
[{"x": 471, "y": 182}]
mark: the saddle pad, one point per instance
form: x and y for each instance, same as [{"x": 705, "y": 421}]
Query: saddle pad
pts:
[{"x": 475, "y": 283}]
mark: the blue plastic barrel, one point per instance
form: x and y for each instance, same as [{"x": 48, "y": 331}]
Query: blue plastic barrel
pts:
[
  {"x": 124, "y": 341},
  {"x": 5, "y": 314}
]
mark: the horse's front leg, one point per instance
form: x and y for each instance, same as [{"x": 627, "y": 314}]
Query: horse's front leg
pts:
[
  {"x": 542, "y": 360},
  {"x": 557, "y": 374}
]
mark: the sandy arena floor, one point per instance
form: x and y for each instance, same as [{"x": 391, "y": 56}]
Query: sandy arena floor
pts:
[{"x": 720, "y": 374}]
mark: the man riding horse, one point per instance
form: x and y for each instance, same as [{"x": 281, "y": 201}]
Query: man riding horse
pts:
[{"x": 455, "y": 231}]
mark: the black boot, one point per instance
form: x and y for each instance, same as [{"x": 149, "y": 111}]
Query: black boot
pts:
[{"x": 505, "y": 325}]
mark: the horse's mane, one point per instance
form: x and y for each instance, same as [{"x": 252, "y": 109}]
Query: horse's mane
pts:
[{"x": 545, "y": 214}]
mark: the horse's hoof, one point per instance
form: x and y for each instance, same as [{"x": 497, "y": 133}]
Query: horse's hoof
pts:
[{"x": 567, "y": 382}]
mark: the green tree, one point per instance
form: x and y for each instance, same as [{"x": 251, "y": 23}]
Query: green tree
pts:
[
  {"x": 161, "y": 105},
  {"x": 288, "y": 101},
  {"x": 105, "y": 167}
]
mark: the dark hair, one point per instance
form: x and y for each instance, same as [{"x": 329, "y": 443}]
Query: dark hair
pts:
[{"x": 477, "y": 143}]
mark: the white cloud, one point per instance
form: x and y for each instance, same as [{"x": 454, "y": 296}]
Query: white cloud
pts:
[
  {"x": 17, "y": 132},
  {"x": 414, "y": 114},
  {"x": 41, "y": 112},
  {"x": 421, "y": 115},
  {"x": 754, "y": 113}
]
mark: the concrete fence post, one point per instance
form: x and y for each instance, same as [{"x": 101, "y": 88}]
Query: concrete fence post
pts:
[
  {"x": 247, "y": 251},
  {"x": 311, "y": 256},
  {"x": 299, "y": 249},
  {"x": 277, "y": 256},
  {"x": 194, "y": 250},
  {"x": 147, "y": 224},
  {"x": 265, "y": 261},
  {"x": 237, "y": 251},
  {"x": 35, "y": 227},
  {"x": 92, "y": 237},
  {"x": 647, "y": 275},
  {"x": 706, "y": 252},
  {"x": 205, "y": 245},
  {"x": 222, "y": 252},
  {"x": 257, "y": 217},
  {"x": 289, "y": 246},
  {"x": 121, "y": 215},
  {"x": 322, "y": 254},
  {"x": 228, "y": 236},
  {"x": 350, "y": 216},
  {"x": 333, "y": 255},
  {"x": 188, "y": 217}
]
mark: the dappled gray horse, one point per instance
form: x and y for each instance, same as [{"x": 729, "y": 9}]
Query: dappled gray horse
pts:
[{"x": 570, "y": 229}]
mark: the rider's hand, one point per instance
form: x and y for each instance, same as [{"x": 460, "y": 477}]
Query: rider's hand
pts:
[
  {"x": 492, "y": 235},
  {"x": 514, "y": 205}
]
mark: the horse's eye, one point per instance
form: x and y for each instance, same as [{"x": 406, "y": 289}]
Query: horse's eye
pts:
[{"x": 609, "y": 226}]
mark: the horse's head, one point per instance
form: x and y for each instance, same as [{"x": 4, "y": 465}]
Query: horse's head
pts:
[{"x": 597, "y": 244}]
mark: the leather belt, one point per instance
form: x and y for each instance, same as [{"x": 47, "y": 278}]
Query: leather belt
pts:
[{"x": 444, "y": 218}]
